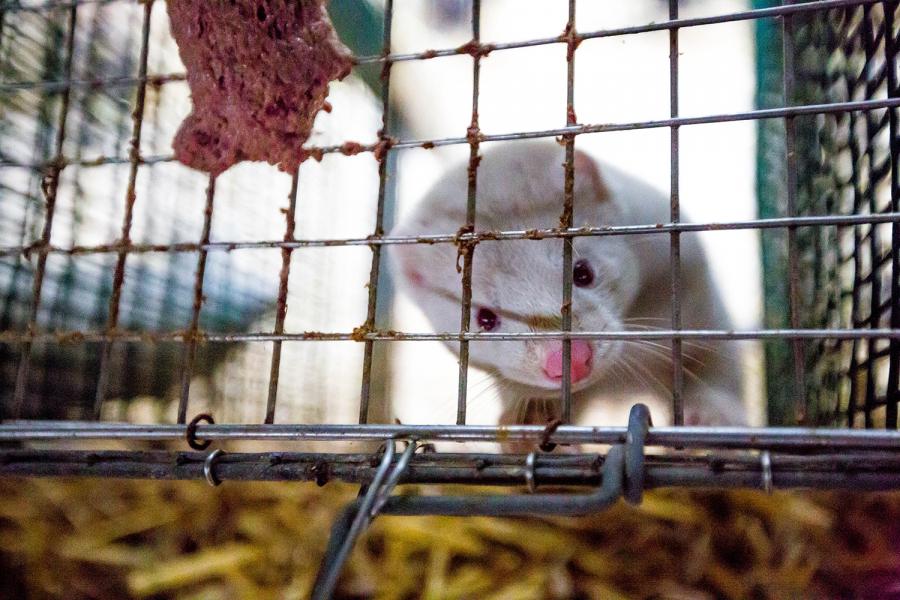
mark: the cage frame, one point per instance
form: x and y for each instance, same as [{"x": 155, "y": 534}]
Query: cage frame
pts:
[{"x": 818, "y": 445}]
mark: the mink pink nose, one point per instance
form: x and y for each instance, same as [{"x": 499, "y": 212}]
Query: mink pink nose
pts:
[{"x": 582, "y": 357}]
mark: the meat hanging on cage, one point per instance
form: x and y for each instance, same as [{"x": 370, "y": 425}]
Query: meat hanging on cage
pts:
[{"x": 259, "y": 73}]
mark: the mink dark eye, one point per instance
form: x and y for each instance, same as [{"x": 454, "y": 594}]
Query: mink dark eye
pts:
[
  {"x": 582, "y": 274},
  {"x": 487, "y": 319}
]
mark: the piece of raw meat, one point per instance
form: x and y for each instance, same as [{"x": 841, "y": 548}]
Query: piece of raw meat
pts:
[{"x": 258, "y": 72}]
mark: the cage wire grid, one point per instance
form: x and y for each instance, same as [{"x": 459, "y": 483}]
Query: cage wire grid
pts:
[{"x": 782, "y": 457}]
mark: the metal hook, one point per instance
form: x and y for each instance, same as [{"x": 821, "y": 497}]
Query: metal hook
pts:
[
  {"x": 529, "y": 472},
  {"x": 546, "y": 445},
  {"x": 393, "y": 479},
  {"x": 366, "y": 508},
  {"x": 342, "y": 532},
  {"x": 209, "y": 465},
  {"x": 765, "y": 462},
  {"x": 190, "y": 433},
  {"x": 639, "y": 422}
]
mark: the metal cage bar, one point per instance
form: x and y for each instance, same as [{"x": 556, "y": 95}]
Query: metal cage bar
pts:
[
  {"x": 49, "y": 187},
  {"x": 752, "y": 115},
  {"x": 568, "y": 215},
  {"x": 476, "y": 236},
  {"x": 382, "y": 155},
  {"x": 791, "y": 191},
  {"x": 675, "y": 217},
  {"x": 809, "y": 458},
  {"x": 466, "y": 248},
  {"x": 756, "y": 13},
  {"x": 282, "y": 307},
  {"x": 192, "y": 337},
  {"x": 890, "y": 50},
  {"x": 112, "y": 323},
  {"x": 390, "y": 335},
  {"x": 786, "y": 439}
]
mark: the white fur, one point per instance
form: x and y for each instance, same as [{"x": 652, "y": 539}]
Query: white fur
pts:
[{"x": 520, "y": 187}]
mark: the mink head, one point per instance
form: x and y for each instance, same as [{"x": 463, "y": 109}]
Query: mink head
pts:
[{"x": 517, "y": 284}]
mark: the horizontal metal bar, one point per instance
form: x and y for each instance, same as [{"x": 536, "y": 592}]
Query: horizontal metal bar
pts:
[
  {"x": 7, "y": 6},
  {"x": 94, "y": 83},
  {"x": 717, "y": 470},
  {"x": 755, "y": 14},
  {"x": 76, "y": 337},
  {"x": 97, "y": 161},
  {"x": 478, "y": 236},
  {"x": 786, "y": 438},
  {"x": 352, "y": 148}
]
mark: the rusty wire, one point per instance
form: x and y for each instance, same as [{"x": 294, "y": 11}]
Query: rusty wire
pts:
[{"x": 467, "y": 238}]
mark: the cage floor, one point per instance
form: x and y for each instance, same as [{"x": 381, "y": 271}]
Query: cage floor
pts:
[{"x": 102, "y": 539}]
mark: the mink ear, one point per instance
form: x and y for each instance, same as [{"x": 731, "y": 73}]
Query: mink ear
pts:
[{"x": 587, "y": 177}]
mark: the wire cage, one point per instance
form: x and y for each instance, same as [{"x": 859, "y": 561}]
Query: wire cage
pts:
[
  {"x": 829, "y": 213},
  {"x": 844, "y": 165}
]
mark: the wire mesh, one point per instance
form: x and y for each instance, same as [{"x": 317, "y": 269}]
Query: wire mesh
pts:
[
  {"x": 843, "y": 276},
  {"x": 831, "y": 116}
]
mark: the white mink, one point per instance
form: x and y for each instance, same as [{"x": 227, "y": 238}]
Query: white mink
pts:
[{"x": 622, "y": 284}]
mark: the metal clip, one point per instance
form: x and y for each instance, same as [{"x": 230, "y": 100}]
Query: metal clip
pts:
[
  {"x": 765, "y": 462},
  {"x": 209, "y": 465},
  {"x": 639, "y": 422},
  {"x": 529, "y": 472},
  {"x": 362, "y": 512},
  {"x": 190, "y": 433},
  {"x": 622, "y": 463},
  {"x": 546, "y": 445}
]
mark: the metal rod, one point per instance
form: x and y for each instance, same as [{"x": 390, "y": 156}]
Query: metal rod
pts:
[
  {"x": 383, "y": 155},
  {"x": 717, "y": 470},
  {"x": 868, "y": 40},
  {"x": 567, "y": 217},
  {"x": 467, "y": 249},
  {"x": 675, "y": 217},
  {"x": 50, "y": 187},
  {"x": 337, "y": 552},
  {"x": 112, "y": 322},
  {"x": 767, "y": 113},
  {"x": 192, "y": 335},
  {"x": 782, "y": 438},
  {"x": 125, "y": 81},
  {"x": 893, "y": 90},
  {"x": 54, "y": 5},
  {"x": 476, "y": 236},
  {"x": 9, "y": 337},
  {"x": 282, "y": 307},
  {"x": 794, "y": 306},
  {"x": 754, "y": 14}
]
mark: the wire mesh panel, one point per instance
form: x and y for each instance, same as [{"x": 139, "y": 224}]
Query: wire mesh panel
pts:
[
  {"x": 166, "y": 295},
  {"x": 81, "y": 133},
  {"x": 124, "y": 274},
  {"x": 846, "y": 165}
]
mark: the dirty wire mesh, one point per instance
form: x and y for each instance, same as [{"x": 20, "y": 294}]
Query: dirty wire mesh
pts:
[
  {"x": 846, "y": 164},
  {"x": 63, "y": 85}
]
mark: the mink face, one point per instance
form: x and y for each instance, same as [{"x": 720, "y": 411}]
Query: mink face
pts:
[
  {"x": 620, "y": 283},
  {"x": 517, "y": 284}
]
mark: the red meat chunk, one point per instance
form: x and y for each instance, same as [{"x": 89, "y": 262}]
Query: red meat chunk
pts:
[{"x": 258, "y": 72}]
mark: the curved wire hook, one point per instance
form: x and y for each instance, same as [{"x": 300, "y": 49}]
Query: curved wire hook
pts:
[
  {"x": 765, "y": 463},
  {"x": 357, "y": 516},
  {"x": 190, "y": 434},
  {"x": 529, "y": 472},
  {"x": 209, "y": 465},
  {"x": 639, "y": 422}
]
